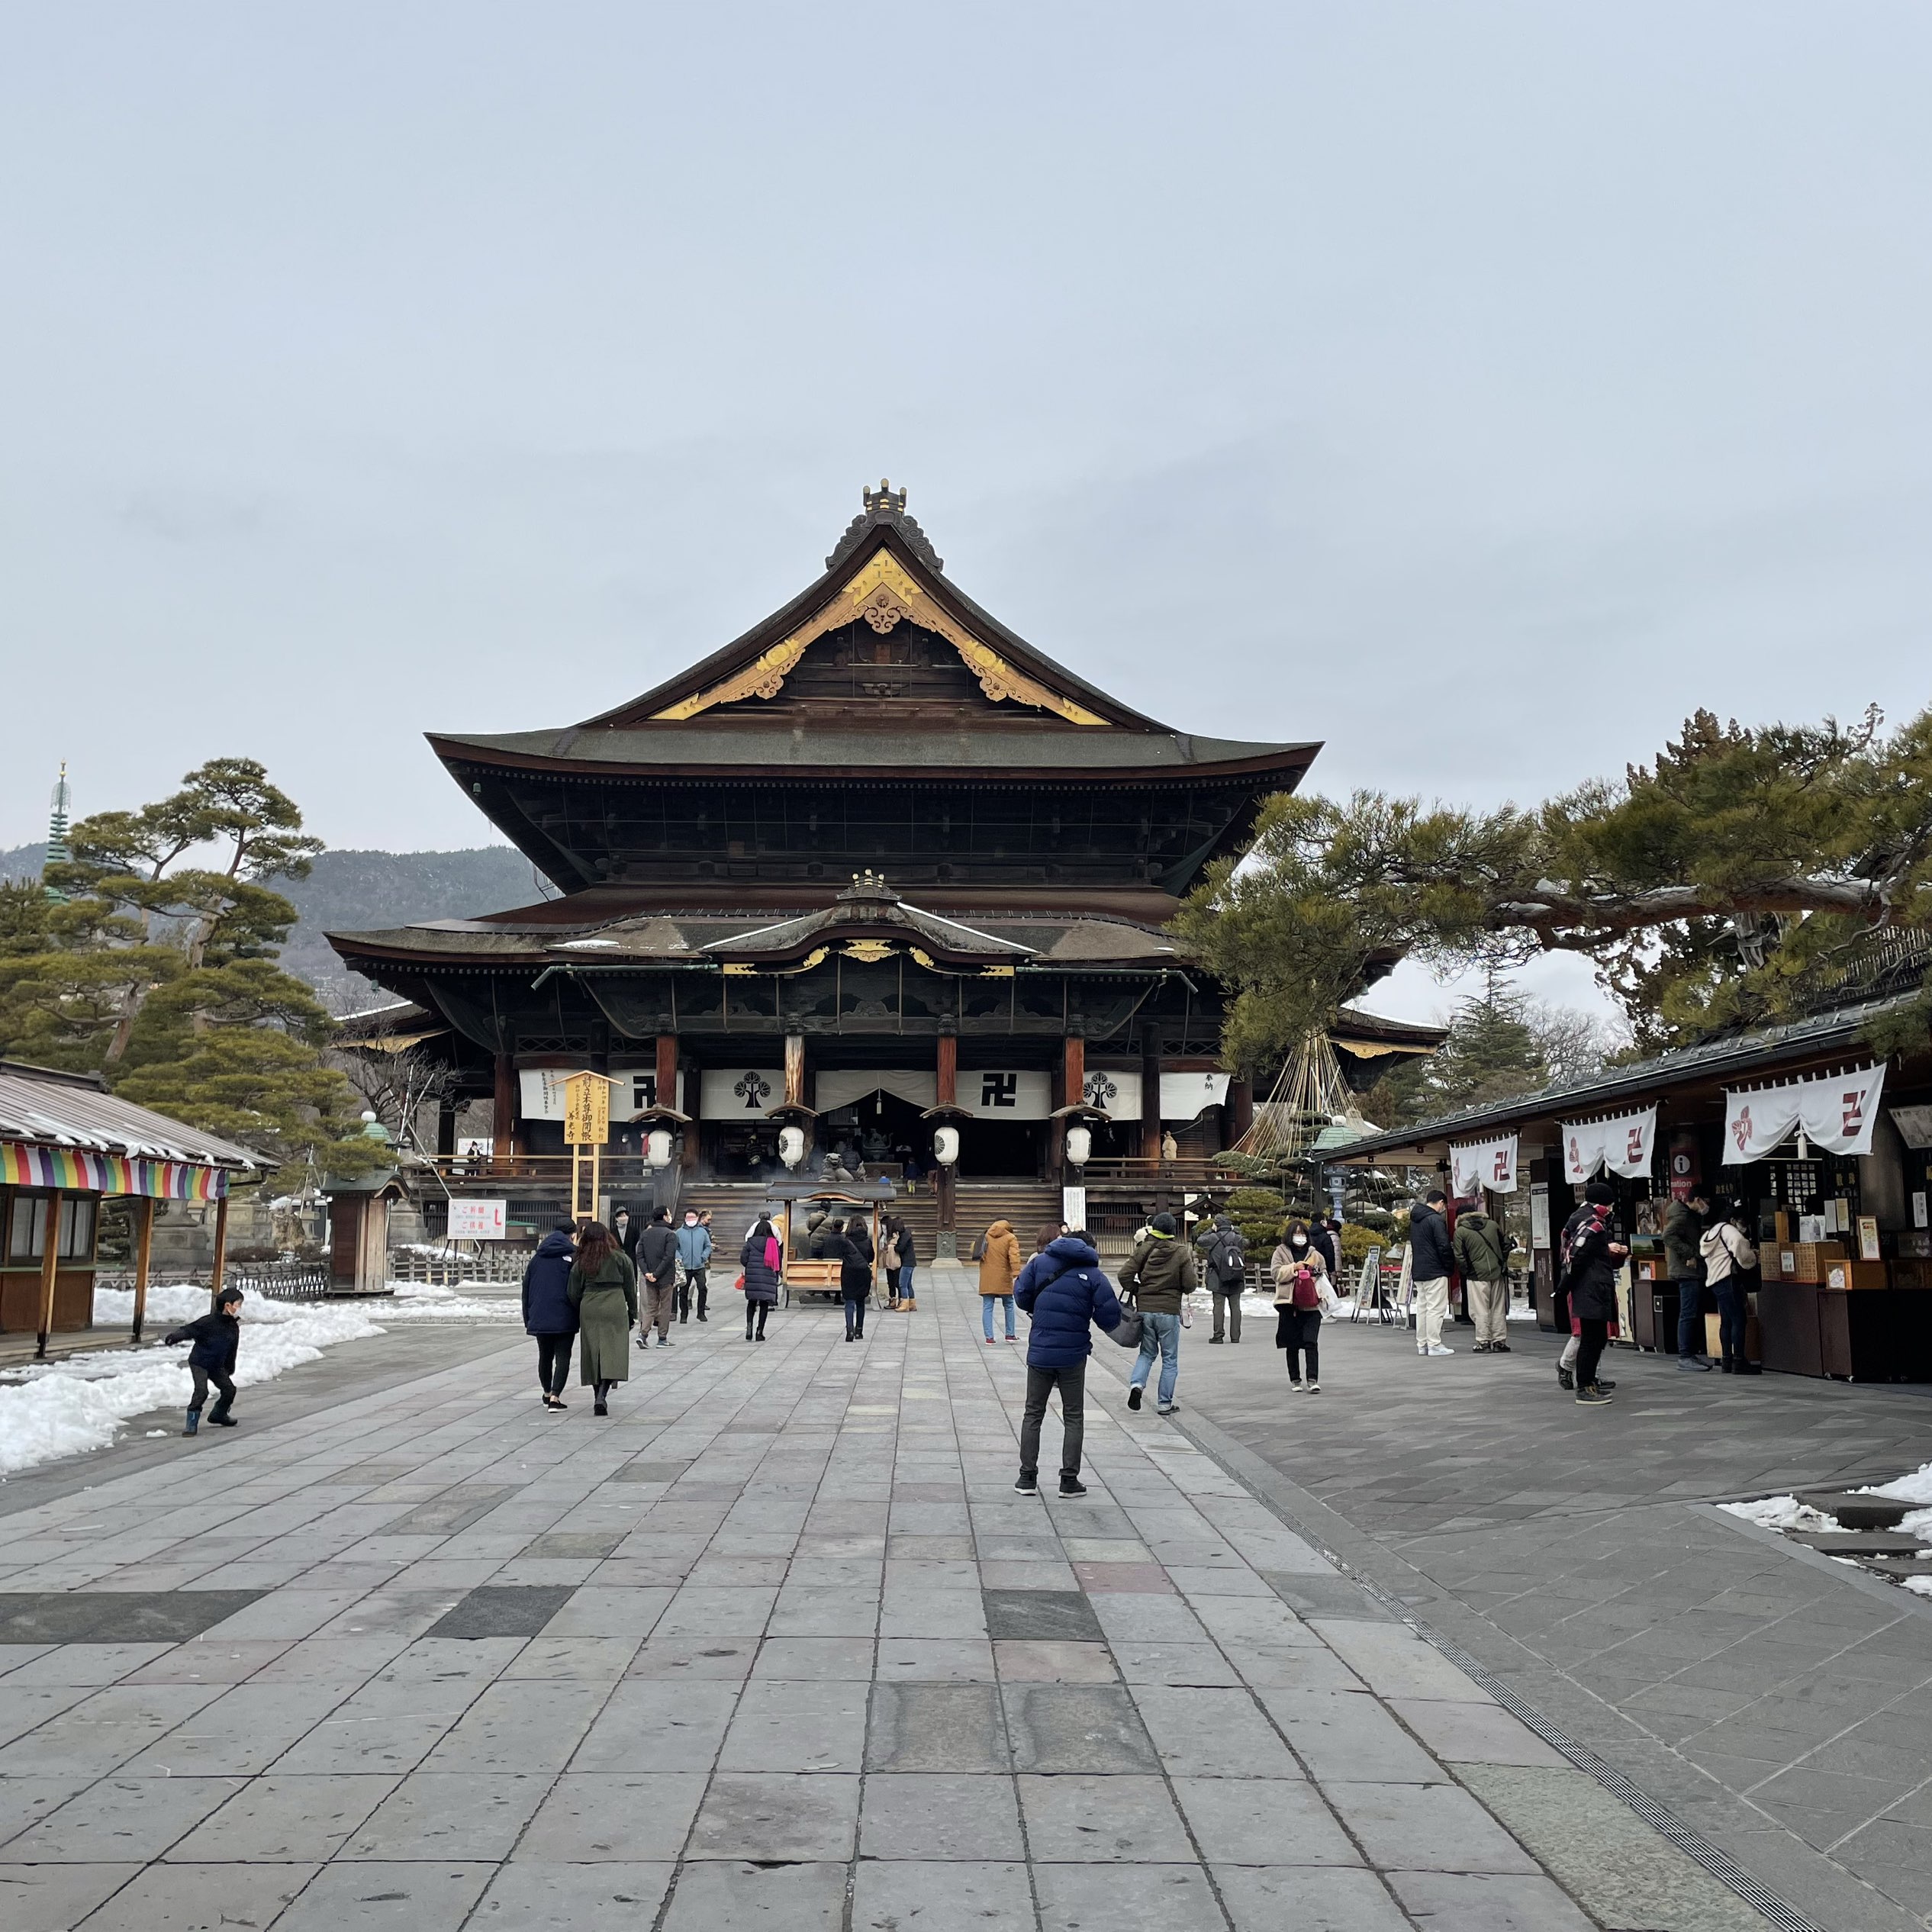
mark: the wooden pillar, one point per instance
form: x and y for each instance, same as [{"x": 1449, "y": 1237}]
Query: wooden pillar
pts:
[
  {"x": 1150, "y": 1096},
  {"x": 503, "y": 1116},
  {"x": 218, "y": 1266},
  {"x": 666, "y": 1070},
  {"x": 1072, "y": 1085},
  {"x": 1075, "y": 1067},
  {"x": 50, "y": 1268},
  {"x": 446, "y": 1127},
  {"x": 144, "y": 1255},
  {"x": 947, "y": 1070},
  {"x": 795, "y": 1070},
  {"x": 1239, "y": 1111}
]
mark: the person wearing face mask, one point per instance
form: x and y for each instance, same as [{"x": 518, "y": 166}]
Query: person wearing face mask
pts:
[{"x": 1302, "y": 1291}]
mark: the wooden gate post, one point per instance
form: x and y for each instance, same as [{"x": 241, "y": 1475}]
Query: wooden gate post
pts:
[
  {"x": 49, "y": 1268},
  {"x": 144, "y": 1255}
]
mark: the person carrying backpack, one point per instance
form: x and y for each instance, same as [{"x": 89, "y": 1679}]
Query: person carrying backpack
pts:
[
  {"x": 1302, "y": 1291},
  {"x": 1482, "y": 1252},
  {"x": 1223, "y": 1258}
]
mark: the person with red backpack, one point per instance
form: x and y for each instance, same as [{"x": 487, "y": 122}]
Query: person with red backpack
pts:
[{"x": 1302, "y": 1291}]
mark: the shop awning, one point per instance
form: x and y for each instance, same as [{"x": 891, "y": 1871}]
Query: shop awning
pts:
[
  {"x": 1477, "y": 1164},
  {"x": 1836, "y": 1112},
  {"x": 1620, "y": 1142}
]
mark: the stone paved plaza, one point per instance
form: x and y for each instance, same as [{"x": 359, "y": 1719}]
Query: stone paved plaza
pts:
[
  {"x": 776, "y": 1645},
  {"x": 1773, "y": 1699}
]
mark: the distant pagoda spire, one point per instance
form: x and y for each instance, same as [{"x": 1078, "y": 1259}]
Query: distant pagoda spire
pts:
[{"x": 59, "y": 805}]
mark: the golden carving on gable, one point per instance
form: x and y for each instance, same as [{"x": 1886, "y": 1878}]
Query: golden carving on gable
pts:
[
  {"x": 870, "y": 951},
  {"x": 883, "y": 595}
]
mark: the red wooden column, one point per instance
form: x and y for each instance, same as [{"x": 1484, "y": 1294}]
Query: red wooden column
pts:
[
  {"x": 1151, "y": 1097},
  {"x": 666, "y": 1070},
  {"x": 794, "y": 1070},
  {"x": 1073, "y": 1091},
  {"x": 144, "y": 1257},
  {"x": 503, "y": 1117}
]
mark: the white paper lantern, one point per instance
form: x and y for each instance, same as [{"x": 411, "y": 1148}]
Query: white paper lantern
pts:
[
  {"x": 1080, "y": 1144},
  {"x": 946, "y": 1146},
  {"x": 657, "y": 1146},
  {"x": 791, "y": 1145}
]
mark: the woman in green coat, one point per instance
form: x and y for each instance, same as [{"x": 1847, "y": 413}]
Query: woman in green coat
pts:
[{"x": 603, "y": 1289}]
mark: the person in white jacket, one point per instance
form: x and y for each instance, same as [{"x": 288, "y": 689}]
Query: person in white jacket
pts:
[
  {"x": 1303, "y": 1291},
  {"x": 1727, "y": 1255}
]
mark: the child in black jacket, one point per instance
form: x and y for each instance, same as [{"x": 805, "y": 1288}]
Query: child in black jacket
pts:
[{"x": 216, "y": 1338}]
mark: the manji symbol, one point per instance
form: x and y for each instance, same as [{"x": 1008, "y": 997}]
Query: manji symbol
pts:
[{"x": 999, "y": 1090}]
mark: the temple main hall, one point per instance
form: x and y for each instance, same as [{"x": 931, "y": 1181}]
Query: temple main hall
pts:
[{"x": 877, "y": 863}]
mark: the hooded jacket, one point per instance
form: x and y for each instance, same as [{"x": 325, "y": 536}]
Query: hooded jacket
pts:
[
  {"x": 1224, "y": 1253},
  {"x": 1066, "y": 1294},
  {"x": 1482, "y": 1249},
  {"x": 216, "y": 1338},
  {"x": 546, "y": 1283},
  {"x": 1431, "y": 1256},
  {"x": 1591, "y": 1274},
  {"x": 1683, "y": 1230},
  {"x": 694, "y": 1245},
  {"x": 1000, "y": 1265},
  {"x": 1160, "y": 1271}
]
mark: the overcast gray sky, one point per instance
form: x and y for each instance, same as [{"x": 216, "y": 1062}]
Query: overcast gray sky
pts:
[{"x": 1475, "y": 387}]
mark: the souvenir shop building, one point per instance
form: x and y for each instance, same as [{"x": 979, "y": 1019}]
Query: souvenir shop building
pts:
[
  {"x": 1826, "y": 1148},
  {"x": 67, "y": 1148},
  {"x": 878, "y": 865}
]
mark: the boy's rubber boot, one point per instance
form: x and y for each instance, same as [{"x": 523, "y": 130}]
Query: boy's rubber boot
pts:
[{"x": 194, "y": 1422}]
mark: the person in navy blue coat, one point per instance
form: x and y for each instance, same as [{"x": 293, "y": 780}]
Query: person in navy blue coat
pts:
[
  {"x": 547, "y": 1312},
  {"x": 1064, "y": 1291}
]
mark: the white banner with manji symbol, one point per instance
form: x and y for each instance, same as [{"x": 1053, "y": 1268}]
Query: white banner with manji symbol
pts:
[
  {"x": 1484, "y": 1163},
  {"x": 739, "y": 1092},
  {"x": 1837, "y": 1114},
  {"x": 1622, "y": 1144},
  {"x": 1018, "y": 1094}
]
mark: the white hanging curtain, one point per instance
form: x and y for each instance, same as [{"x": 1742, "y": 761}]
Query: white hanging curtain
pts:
[
  {"x": 1837, "y": 1114},
  {"x": 1622, "y": 1144},
  {"x": 1477, "y": 1164}
]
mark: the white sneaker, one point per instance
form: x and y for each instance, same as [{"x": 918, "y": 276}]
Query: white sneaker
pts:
[{"x": 1437, "y": 1348}]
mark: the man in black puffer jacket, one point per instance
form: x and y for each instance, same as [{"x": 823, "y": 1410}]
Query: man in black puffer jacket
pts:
[
  {"x": 1430, "y": 1259},
  {"x": 1064, "y": 1291}
]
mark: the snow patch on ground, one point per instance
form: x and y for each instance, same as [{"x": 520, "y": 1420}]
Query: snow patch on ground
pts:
[
  {"x": 52, "y": 1409},
  {"x": 1915, "y": 1488},
  {"x": 1779, "y": 1513}
]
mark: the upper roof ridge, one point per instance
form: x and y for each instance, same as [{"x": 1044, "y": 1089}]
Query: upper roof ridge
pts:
[{"x": 885, "y": 505}]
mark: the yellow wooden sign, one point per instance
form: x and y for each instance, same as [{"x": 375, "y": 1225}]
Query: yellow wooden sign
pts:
[{"x": 587, "y": 1110}]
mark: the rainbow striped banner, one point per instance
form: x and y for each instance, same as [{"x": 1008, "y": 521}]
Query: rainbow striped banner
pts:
[{"x": 22, "y": 1166}]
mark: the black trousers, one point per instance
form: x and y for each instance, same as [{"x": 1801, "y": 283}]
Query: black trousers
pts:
[
  {"x": 754, "y": 1315},
  {"x": 694, "y": 1279},
  {"x": 553, "y": 1354},
  {"x": 1302, "y": 1328},
  {"x": 1593, "y": 1338},
  {"x": 224, "y": 1390},
  {"x": 1041, "y": 1383},
  {"x": 855, "y": 1299}
]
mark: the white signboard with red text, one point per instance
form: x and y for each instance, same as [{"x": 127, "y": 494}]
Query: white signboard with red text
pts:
[
  {"x": 1836, "y": 1114},
  {"x": 471, "y": 1220}
]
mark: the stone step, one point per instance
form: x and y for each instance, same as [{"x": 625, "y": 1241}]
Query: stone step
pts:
[
  {"x": 1859, "y": 1542},
  {"x": 1898, "y": 1568},
  {"x": 1856, "y": 1511}
]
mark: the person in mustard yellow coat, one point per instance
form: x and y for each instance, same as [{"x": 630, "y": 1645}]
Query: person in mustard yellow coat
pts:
[{"x": 1000, "y": 1265}]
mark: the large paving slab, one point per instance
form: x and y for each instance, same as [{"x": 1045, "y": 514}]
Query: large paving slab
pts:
[
  {"x": 777, "y": 1643},
  {"x": 1773, "y": 1700}
]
